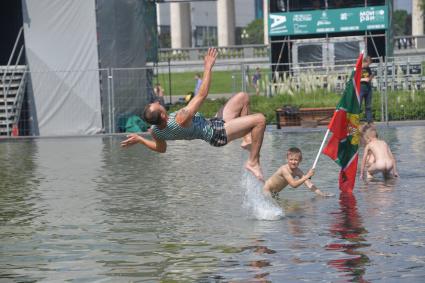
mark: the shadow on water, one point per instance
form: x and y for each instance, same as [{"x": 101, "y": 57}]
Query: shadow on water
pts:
[{"x": 348, "y": 227}]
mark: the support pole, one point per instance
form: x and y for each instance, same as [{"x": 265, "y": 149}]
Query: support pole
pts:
[
  {"x": 169, "y": 79},
  {"x": 321, "y": 148}
]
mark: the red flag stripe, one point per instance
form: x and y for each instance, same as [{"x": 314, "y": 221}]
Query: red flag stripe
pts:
[
  {"x": 347, "y": 176},
  {"x": 358, "y": 75}
]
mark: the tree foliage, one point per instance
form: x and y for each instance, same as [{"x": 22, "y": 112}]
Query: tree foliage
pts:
[
  {"x": 402, "y": 22},
  {"x": 422, "y": 5},
  {"x": 255, "y": 30}
]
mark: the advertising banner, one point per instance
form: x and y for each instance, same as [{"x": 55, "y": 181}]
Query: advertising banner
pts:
[{"x": 328, "y": 21}]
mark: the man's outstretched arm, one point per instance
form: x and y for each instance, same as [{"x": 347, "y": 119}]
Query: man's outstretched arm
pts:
[
  {"x": 155, "y": 144},
  {"x": 186, "y": 114}
]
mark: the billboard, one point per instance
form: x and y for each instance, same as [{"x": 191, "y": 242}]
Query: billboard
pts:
[{"x": 328, "y": 21}]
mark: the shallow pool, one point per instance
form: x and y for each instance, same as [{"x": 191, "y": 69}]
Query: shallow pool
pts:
[{"x": 85, "y": 210}]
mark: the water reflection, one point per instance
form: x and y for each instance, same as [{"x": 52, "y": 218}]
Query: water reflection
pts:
[
  {"x": 17, "y": 169},
  {"x": 296, "y": 212},
  {"x": 348, "y": 227}
]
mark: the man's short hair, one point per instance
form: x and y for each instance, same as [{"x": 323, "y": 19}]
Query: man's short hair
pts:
[
  {"x": 152, "y": 117},
  {"x": 294, "y": 150}
]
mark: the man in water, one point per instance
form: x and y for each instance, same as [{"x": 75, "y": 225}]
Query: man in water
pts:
[
  {"x": 377, "y": 157},
  {"x": 287, "y": 173},
  {"x": 233, "y": 122}
]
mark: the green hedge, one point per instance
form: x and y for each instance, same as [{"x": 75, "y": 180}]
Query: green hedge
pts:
[{"x": 402, "y": 105}]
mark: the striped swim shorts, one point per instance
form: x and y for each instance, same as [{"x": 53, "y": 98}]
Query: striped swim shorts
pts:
[{"x": 219, "y": 137}]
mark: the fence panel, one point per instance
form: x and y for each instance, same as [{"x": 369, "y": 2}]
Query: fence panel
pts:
[
  {"x": 131, "y": 90},
  {"x": 398, "y": 91},
  {"x": 58, "y": 103}
]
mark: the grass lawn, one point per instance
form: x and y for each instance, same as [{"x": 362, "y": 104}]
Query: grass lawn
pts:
[{"x": 222, "y": 82}]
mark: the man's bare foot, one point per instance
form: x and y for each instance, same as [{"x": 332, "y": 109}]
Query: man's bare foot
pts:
[{"x": 256, "y": 170}]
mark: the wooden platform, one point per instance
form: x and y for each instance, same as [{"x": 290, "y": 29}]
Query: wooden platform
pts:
[
  {"x": 318, "y": 116},
  {"x": 306, "y": 117}
]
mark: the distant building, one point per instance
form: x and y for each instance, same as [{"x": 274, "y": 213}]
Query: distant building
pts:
[{"x": 197, "y": 22}]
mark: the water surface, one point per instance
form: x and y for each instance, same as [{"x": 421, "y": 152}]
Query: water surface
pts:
[{"x": 85, "y": 210}]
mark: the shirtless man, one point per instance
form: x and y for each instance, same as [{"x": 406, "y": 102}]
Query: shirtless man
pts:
[
  {"x": 287, "y": 173},
  {"x": 377, "y": 157},
  {"x": 233, "y": 122}
]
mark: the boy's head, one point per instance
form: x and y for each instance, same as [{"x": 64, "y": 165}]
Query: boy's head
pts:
[
  {"x": 294, "y": 157},
  {"x": 371, "y": 133}
]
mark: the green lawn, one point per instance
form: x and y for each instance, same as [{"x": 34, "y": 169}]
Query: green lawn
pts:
[{"x": 222, "y": 82}]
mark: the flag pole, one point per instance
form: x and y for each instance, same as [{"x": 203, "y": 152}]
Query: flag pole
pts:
[{"x": 321, "y": 148}]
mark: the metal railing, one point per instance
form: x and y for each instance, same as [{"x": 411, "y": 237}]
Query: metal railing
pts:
[
  {"x": 228, "y": 52},
  {"x": 409, "y": 42},
  {"x": 17, "y": 105},
  {"x": 399, "y": 92},
  {"x": 6, "y": 86}
]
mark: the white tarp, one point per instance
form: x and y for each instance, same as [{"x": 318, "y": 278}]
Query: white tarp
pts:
[{"x": 61, "y": 51}]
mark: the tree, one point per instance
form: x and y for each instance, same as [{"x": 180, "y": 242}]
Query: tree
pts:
[
  {"x": 255, "y": 32},
  {"x": 422, "y": 5},
  {"x": 402, "y": 22}
]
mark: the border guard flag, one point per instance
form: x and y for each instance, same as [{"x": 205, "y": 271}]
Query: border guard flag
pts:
[{"x": 344, "y": 143}]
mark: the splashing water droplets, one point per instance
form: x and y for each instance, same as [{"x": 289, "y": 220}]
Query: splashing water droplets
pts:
[{"x": 255, "y": 203}]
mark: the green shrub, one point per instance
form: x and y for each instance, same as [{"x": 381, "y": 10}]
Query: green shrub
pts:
[{"x": 402, "y": 105}]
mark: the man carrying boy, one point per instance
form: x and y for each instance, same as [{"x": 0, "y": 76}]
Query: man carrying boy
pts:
[
  {"x": 377, "y": 157},
  {"x": 287, "y": 173}
]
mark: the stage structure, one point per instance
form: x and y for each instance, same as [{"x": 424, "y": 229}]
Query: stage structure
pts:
[
  {"x": 324, "y": 33},
  {"x": 79, "y": 54}
]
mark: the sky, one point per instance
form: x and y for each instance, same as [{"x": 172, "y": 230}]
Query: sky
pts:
[{"x": 403, "y": 5}]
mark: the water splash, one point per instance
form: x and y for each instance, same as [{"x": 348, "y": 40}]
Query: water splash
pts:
[{"x": 257, "y": 204}]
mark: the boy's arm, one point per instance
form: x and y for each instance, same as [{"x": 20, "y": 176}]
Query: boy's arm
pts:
[
  {"x": 302, "y": 178},
  {"x": 365, "y": 154},
  {"x": 185, "y": 115},
  {"x": 155, "y": 144},
  {"x": 316, "y": 190}
]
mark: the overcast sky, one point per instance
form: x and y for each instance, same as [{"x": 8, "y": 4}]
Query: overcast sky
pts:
[{"x": 403, "y": 5}]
